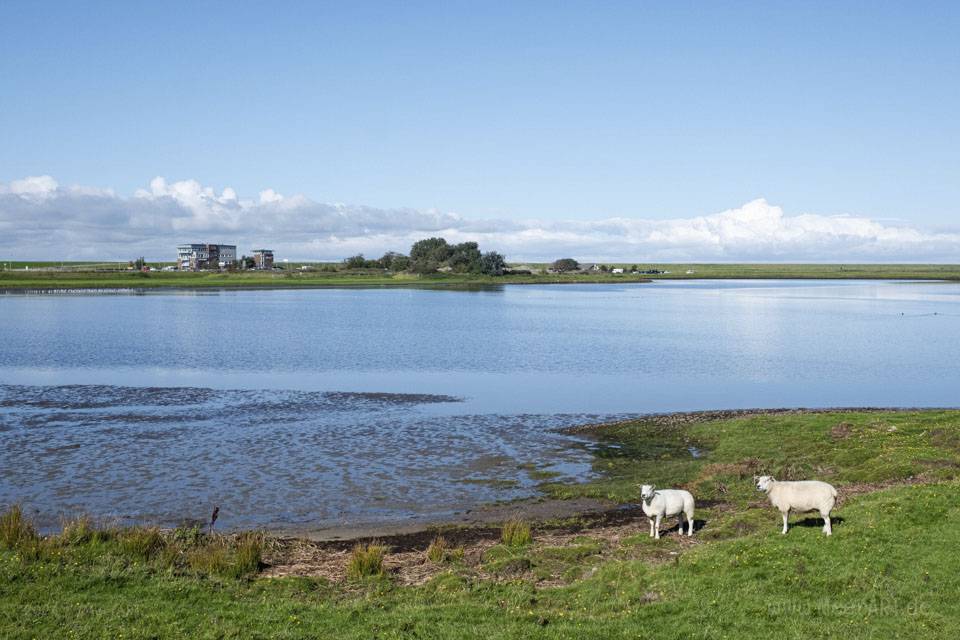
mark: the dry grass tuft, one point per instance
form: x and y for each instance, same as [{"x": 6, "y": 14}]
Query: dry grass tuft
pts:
[{"x": 440, "y": 551}]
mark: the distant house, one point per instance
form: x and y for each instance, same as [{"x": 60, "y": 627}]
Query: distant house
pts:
[
  {"x": 263, "y": 259},
  {"x": 197, "y": 257},
  {"x": 616, "y": 270},
  {"x": 589, "y": 267}
]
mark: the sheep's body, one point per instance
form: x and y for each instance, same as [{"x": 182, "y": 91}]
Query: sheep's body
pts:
[
  {"x": 800, "y": 496},
  {"x": 658, "y": 503}
]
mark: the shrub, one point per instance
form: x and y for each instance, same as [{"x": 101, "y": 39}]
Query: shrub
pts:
[
  {"x": 565, "y": 264},
  {"x": 189, "y": 536},
  {"x": 15, "y": 530},
  {"x": 516, "y": 533},
  {"x": 366, "y": 560}
]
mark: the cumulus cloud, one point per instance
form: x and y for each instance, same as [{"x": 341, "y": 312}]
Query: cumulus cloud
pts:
[{"x": 40, "y": 219}]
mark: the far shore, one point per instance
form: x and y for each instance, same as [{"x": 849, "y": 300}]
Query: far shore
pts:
[{"x": 51, "y": 278}]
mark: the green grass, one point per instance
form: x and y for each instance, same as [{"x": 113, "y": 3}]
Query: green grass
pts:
[
  {"x": 889, "y": 571},
  {"x": 80, "y": 279},
  {"x": 678, "y": 271},
  {"x": 843, "y": 448},
  {"x": 77, "y": 276}
]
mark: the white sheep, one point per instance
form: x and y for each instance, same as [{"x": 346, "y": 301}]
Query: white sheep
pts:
[
  {"x": 800, "y": 496},
  {"x": 658, "y": 503}
]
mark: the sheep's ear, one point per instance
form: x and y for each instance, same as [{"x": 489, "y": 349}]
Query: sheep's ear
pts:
[{"x": 653, "y": 487}]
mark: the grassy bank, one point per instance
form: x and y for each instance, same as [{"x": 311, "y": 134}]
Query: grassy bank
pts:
[
  {"x": 740, "y": 271},
  {"x": 78, "y": 277},
  {"x": 889, "y": 570}
]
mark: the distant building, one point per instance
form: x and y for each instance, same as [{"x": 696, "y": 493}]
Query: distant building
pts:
[
  {"x": 195, "y": 257},
  {"x": 616, "y": 270},
  {"x": 263, "y": 259}
]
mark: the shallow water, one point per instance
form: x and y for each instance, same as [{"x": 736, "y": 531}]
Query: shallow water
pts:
[{"x": 340, "y": 406}]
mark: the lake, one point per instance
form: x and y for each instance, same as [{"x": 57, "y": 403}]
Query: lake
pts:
[{"x": 296, "y": 409}]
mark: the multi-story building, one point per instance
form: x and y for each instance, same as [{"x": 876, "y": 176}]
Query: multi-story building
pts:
[
  {"x": 194, "y": 257},
  {"x": 263, "y": 258}
]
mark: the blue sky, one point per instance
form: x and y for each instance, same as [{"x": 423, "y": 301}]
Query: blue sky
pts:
[{"x": 557, "y": 112}]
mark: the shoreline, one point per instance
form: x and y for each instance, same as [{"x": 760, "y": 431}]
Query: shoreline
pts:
[
  {"x": 539, "y": 510},
  {"x": 126, "y": 289},
  {"x": 599, "y": 569},
  {"x": 50, "y": 281},
  {"x": 482, "y": 520}
]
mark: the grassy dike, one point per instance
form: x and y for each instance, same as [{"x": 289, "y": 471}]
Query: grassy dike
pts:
[
  {"x": 891, "y": 569},
  {"x": 77, "y": 277},
  {"x": 92, "y": 280}
]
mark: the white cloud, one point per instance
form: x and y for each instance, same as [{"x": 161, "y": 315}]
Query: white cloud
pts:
[
  {"x": 32, "y": 186},
  {"x": 41, "y": 220}
]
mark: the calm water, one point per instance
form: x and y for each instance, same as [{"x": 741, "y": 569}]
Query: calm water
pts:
[{"x": 312, "y": 408}]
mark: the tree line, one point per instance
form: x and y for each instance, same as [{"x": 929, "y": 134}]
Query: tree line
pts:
[{"x": 433, "y": 255}]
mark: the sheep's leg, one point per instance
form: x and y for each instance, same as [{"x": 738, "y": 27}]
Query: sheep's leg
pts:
[
  {"x": 680, "y": 523},
  {"x": 827, "y": 528},
  {"x": 651, "y": 526},
  {"x": 659, "y": 517},
  {"x": 785, "y": 514},
  {"x": 689, "y": 525}
]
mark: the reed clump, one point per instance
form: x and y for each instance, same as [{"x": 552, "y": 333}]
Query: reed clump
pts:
[
  {"x": 15, "y": 529},
  {"x": 440, "y": 551},
  {"x": 366, "y": 560},
  {"x": 516, "y": 533}
]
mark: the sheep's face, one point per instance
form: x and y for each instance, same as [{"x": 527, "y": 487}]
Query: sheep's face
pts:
[
  {"x": 763, "y": 483},
  {"x": 647, "y": 491}
]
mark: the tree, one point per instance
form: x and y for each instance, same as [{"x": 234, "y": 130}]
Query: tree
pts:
[
  {"x": 355, "y": 262},
  {"x": 565, "y": 264},
  {"x": 465, "y": 258},
  {"x": 393, "y": 261},
  {"x": 492, "y": 264},
  {"x": 426, "y": 256},
  {"x": 400, "y": 262},
  {"x": 432, "y": 249},
  {"x": 139, "y": 263}
]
